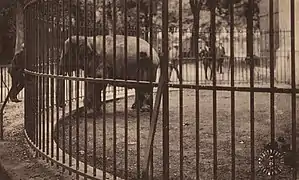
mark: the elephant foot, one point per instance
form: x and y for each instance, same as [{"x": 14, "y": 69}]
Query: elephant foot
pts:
[
  {"x": 93, "y": 113},
  {"x": 87, "y": 103},
  {"x": 134, "y": 106},
  {"x": 142, "y": 108},
  {"x": 16, "y": 100},
  {"x": 145, "y": 108},
  {"x": 61, "y": 105}
]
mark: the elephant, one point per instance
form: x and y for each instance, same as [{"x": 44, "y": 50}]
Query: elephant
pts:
[{"x": 147, "y": 68}]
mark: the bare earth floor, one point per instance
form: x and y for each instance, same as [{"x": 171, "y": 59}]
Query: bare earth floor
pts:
[
  {"x": 205, "y": 129},
  {"x": 17, "y": 158}
]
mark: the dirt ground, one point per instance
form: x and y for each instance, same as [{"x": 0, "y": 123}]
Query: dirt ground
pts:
[
  {"x": 205, "y": 129},
  {"x": 16, "y": 156}
]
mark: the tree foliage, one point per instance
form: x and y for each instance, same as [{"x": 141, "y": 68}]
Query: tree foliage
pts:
[
  {"x": 87, "y": 11},
  {"x": 7, "y": 31}
]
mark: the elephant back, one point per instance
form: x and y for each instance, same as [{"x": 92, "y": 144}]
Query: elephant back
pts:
[{"x": 132, "y": 45}]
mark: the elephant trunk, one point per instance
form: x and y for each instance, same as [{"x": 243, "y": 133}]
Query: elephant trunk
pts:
[
  {"x": 60, "y": 86},
  {"x": 66, "y": 66}
]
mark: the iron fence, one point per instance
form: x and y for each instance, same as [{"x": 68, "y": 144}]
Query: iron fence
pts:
[
  {"x": 6, "y": 83},
  {"x": 204, "y": 129}
]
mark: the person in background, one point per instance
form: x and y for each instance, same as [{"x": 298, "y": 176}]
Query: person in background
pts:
[
  {"x": 220, "y": 53},
  {"x": 17, "y": 74},
  {"x": 174, "y": 59}
]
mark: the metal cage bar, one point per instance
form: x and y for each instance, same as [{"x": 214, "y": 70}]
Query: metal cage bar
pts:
[{"x": 207, "y": 128}]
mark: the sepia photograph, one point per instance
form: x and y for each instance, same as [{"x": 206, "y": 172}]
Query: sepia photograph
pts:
[{"x": 149, "y": 89}]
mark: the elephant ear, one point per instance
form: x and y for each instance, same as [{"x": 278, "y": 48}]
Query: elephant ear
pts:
[{"x": 90, "y": 61}]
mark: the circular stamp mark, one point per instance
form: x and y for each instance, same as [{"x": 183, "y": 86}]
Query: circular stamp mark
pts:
[{"x": 271, "y": 162}]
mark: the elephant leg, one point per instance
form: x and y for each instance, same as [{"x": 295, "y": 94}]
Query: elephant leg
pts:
[
  {"x": 145, "y": 100},
  {"x": 98, "y": 97},
  {"x": 89, "y": 95},
  {"x": 145, "y": 94},
  {"x": 13, "y": 94},
  {"x": 93, "y": 97},
  {"x": 21, "y": 84},
  {"x": 137, "y": 99},
  {"x": 134, "y": 105},
  {"x": 17, "y": 85},
  {"x": 148, "y": 101}
]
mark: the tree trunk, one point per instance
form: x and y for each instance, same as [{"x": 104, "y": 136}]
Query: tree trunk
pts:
[
  {"x": 19, "y": 27},
  {"x": 194, "y": 38},
  {"x": 195, "y": 9}
]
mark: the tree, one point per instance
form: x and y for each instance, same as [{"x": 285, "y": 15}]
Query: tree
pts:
[
  {"x": 19, "y": 25},
  {"x": 7, "y": 31},
  {"x": 194, "y": 11},
  {"x": 241, "y": 8}
]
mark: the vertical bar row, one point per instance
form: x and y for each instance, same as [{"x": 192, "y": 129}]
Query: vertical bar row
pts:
[
  {"x": 77, "y": 84},
  {"x": 34, "y": 67},
  {"x": 126, "y": 88},
  {"x": 93, "y": 85},
  {"x": 85, "y": 86},
  {"x": 272, "y": 59},
  {"x": 42, "y": 70},
  {"x": 70, "y": 89},
  {"x": 165, "y": 101},
  {"x": 151, "y": 42},
  {"x": 54, "y": 26},
  {"x": 232, "y": 67},
  {"x": 64, "y": 69},
  {"x": 114, "y": 89},
  {"x": 46, "y": 71},
  {"x": 181, "y": 99},
  {"x": 59, "y": 49},
  {"x": 104, "y": 90},
  {"x": 195, "y": 51},
  {"x": 250, "y": 52},
  {"x": 213, "y": 52},
  {"x": 137, "y": 97},
  {"x": 39, "y": 60},
  {"x": 293, "y": 83}
]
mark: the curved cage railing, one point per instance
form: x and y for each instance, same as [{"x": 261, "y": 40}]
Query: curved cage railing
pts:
[{"x": 109, "y": 95}]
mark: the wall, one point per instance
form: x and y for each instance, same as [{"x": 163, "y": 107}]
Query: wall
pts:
[{"x": 282, "y": 24}]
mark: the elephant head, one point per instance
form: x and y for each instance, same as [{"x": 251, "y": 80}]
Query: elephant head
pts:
[{"x": 67, "y": 62}]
